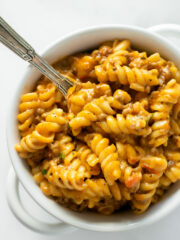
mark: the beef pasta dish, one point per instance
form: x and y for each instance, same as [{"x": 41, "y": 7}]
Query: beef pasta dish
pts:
[{"x": 114, "y": 142}]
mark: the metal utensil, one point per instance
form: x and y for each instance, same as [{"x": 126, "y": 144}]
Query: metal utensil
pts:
[{"x": 18, "y": 45}]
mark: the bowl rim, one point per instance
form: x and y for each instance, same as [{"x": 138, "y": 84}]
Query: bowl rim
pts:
[{"x": 42, "y": 200}]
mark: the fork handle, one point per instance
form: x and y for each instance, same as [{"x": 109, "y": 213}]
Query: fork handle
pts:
[
  {"x": 18, "y": 45},
  {"x": 15, "y": 42}
]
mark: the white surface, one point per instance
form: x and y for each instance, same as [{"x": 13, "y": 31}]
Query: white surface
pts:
[{"x": 40, "y": 22}]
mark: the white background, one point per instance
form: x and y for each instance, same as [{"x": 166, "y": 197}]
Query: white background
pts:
[{"x": 41, "y": 22}]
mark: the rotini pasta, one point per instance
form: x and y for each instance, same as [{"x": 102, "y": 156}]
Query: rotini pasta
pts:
[
  {"x": 44, "y": 132},
  {"x": 134, "y": 121},
  {"x": 154, "y": 166},
  {"x": 46, "y": 93},
  {"x": 29, "y": 104},
  {"x": 79, "y": 96},
  {"x": 107, "y": 154},
  {"x": 161, "y": 103},
  {"x": 130, "y": 176},
  {"x": 99, "y": 109},
  {"x": 114, "y": 142},
  {"x": 138, "y": 79}
]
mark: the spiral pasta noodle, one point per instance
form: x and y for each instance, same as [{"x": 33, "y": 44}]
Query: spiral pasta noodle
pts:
[
  {"x": 43, "y": 134},
  {"x": 81, "y": 156},
  {"x": 89, "y": 159},
  {"x": 129, "y": 156},
  {"x": 98, "y": 109},
  {"x": 168, "y": 69},
  {"x": 107, "y": 154},
  {"x": 164, "y": 184},
  {"x": 173, "y": 170},
  {"x": 29, "y": 104},
  {"x": 161, "y": 103},
  {"x": 79, "y": 96},
  {"x": 95, "y": 190},
  {"x": 46, "y": 92},
  {"x": 131, "y": 122},
  {"x": 67, "y": 177},
  {"x": 138, "y": 79},
  {"x": 84, "y": 66},
  {"x": 154, "y": 165}
]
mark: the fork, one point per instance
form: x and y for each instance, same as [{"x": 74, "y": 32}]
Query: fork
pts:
[{"x": 18, "y": 45}]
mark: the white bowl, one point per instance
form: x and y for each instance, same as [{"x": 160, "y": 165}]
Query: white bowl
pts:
[{"x": 77, "y": 42}]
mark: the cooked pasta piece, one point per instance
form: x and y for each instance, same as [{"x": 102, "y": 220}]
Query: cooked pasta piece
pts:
[
  {"x": 99, "y": 109},
  {"x": 107, "y": 154},
  {"x": 89, "y": 159},
  {"x": 161, "y": 104},
  {"x": 27, "y": 107},
  {"x": 164, "y": 184},
  {"x": 69, "y": 177},
  {"x": 130, "y": 153},
  {"x": 109, "y": 206},
  {"x": 44, "y": 132},
  {"x": 84, "y": 66},
  {"x": 138, "y": 60},
  {"x": 33, "y": 158},
  {"x": 109, "y": 51},
  {"x": 138, "y": 79},
  {"x": 80, "y": 95},
  {"x": 95, "y": 190},
  {"x": 173, "y": 170},
  {"x": 142, "y": 200},
  {"x": 49, "y": 189},
  {"x": 130, "y": 176},
  {"x": 154, "y": 167},
  {"x": 134, "y": 120},
  {"x": 46, "y": 93},
  {"x": 120, "y": 45},
  {"x": 175, "y": 121},
  {"x": 167, "y": 69}
]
